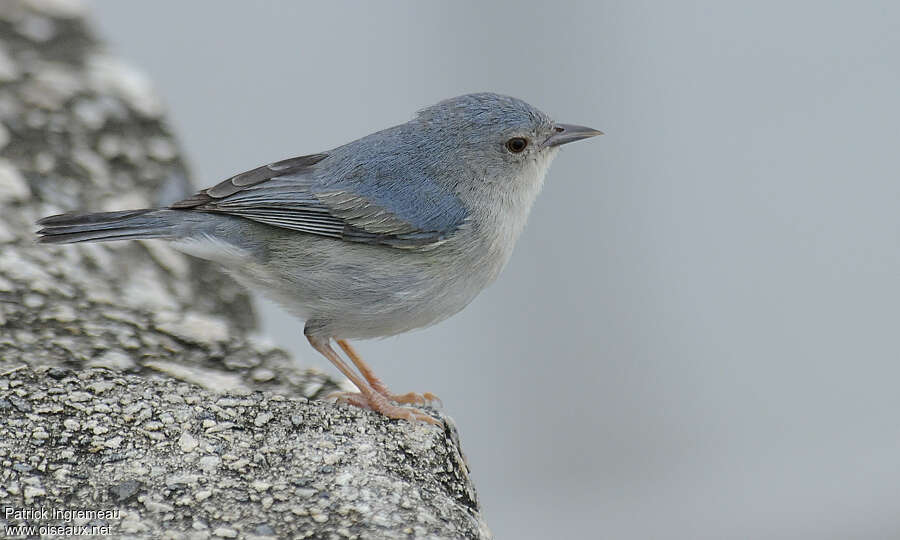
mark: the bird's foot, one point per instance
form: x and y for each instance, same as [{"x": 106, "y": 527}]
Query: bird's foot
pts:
[
  {"x": 379, "y": 403},
  {"x": 411, "y": 398}
]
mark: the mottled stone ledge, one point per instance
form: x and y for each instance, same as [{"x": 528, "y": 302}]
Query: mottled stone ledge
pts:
[
  {"x": 130, "y": 379},
  {"x": 179, "y": 462}
]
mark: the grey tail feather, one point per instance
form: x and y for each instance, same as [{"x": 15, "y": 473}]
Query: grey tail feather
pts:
[{"x": 105, "y": 226}]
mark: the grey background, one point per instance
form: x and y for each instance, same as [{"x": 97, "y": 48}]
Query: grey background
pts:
[{"x": 697, "y": 335}]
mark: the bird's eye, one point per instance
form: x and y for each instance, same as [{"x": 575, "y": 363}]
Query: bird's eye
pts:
[{"x": 516, "y": 144}]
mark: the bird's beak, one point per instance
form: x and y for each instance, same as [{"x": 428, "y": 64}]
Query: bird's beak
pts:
[{"x": 566, "y": 133}]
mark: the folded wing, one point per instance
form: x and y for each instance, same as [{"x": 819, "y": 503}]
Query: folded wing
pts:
[{"x": 288, "y": 195}]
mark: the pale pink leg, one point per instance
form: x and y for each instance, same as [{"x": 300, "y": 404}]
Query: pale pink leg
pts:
[
  {"x": 376, "y": 383},
  {"x": 367, "y": 398}
]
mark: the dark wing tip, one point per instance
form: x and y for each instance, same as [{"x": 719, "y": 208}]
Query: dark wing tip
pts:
[
  {"x": 80, "y": 218},
  {"x": 50, "y": 220},
  {"x": 249, "y": 178},
  {"x": 62, "y": 219},
  {"x": 192, "y": 202},
  {"x": 292, "y": 164}
]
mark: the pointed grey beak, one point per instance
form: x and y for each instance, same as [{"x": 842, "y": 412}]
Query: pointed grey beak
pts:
[{"x": 566, "y": 133}]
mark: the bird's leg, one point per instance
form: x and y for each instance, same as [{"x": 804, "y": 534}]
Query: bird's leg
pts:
[
  {"x": 367, "y": 397},
  {"x": 418, "y": 399}
]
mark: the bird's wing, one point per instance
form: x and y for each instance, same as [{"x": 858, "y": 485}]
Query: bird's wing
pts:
[{"x": 284, "y": 194}]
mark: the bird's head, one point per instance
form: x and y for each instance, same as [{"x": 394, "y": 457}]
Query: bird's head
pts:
[{"x": 497, "y": 145}]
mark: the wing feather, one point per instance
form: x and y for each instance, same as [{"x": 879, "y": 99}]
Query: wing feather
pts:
[{"x": 286, "y": 194}]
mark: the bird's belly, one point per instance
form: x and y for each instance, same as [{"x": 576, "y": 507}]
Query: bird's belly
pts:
[
  {"x": 364, "y": 292},
  {"x": 368, "y": 312}
]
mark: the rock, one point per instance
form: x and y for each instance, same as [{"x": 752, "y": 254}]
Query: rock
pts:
[
  {"x": 37, "y": 28},
  {"x": 187, "y": 442},
  {"x": 125, "y": 491},
  {"x": 262, "y": 419},
  {"x": 9, "y": 70},
  {"x": 129, "y": 376},
  {"x": 19, "y": 403},
  {"x": 115, "y": 360},
  {"x": 13, "y": 187},
  {"x": 195, "y": 328},
  {"x": 109, "y": 75},
  {"x": 4, "y": 133},
  {"x": 340, "y": 468},
  {"x": 63, "y": 9},
  {"x": 113, "y": 442},
  {"x": 225, "y": 532}
]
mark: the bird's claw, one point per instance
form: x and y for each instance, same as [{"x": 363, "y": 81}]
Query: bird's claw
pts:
[
  {"x": 424, "y": 400},
  {"x": 350, "y": 398},
  {"x": 380, "y": 404}
]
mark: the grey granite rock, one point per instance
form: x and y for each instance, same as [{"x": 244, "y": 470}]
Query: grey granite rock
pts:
[
  {"x": 130, "y": 383},
  {"x": 167, "y": 458}
]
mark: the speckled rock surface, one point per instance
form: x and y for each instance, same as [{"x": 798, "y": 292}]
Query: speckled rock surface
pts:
[
  {"x": 125, "y": 385},
  {"x": 178, "y": 462}
]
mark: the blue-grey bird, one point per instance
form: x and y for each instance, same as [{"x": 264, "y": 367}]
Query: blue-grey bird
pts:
[{"x": 395, "y": 231}]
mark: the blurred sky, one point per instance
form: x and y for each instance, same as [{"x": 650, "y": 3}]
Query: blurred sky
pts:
[{"x": 697, "y": 336}]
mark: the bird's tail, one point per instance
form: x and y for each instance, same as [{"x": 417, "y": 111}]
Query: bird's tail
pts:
[{"x": 105, "y": 226}]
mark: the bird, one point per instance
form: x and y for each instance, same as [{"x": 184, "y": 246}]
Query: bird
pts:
[{"x": 394, "y": 231}]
